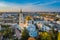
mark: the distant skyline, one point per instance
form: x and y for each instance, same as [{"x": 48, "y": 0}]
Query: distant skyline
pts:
[{"x": 30, "y": 5}]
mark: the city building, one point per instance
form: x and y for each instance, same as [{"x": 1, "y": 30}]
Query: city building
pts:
[
  {"x": 58, "y": 21},
  {"x": 58, "y": 16},
  {"x": 6, "y": 18},
  {"x": 49, "y": 18}
]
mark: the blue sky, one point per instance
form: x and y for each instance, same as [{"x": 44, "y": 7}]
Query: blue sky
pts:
[{"x": 30, "y": 5}]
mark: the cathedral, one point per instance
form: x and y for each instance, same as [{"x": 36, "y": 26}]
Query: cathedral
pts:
[{"x": 23, "y": 22}]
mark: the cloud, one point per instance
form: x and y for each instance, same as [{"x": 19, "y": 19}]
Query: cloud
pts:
[
  {"x": 14, "y": 7},
  {"x": 44, "y": 4},
  {"x": 26, "y": 7}
]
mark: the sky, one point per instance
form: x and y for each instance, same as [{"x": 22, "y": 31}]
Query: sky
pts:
[{"x": 30, "y": 5}]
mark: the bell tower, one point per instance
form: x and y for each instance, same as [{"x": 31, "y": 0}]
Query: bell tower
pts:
[{"x": 21, "y": 19}]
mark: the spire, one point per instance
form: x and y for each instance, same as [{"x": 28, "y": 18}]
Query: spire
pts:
[{"x": 20, "y": 10}]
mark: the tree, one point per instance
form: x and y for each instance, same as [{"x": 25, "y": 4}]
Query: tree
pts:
[
  {"x": 36, "y": 26},
  {"x": 31, "y": 38},
  {"x": 7, "y": 32},
  {"x": 25, "y": 34},
  {"x": 59, "y": 36},
  {"x": 45, "y": 36},
  {"x": 55, "y": 34}
]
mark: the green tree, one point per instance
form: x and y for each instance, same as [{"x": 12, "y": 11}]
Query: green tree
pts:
[
  {"x": 45, "y": 36},
  {"x": 7, "y": 32},
  {"x": 25, "y": 34},
  {"x": 55, "y": 34},
  {"x": 59, "y": 36}
]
